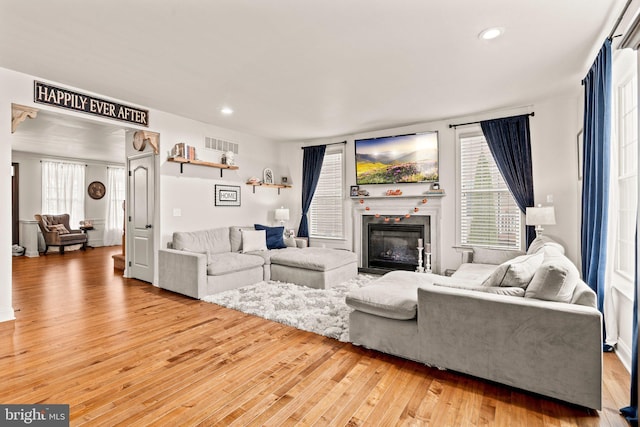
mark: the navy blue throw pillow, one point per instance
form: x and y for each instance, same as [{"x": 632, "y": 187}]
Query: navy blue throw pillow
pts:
[{"x": 274, "y": 236}]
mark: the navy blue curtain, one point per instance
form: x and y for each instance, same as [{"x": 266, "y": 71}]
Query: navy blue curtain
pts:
[
  {"x": 311, "y": 167},
  {"x": 595, "y": 184},
  {"x": 510, "y": 143},
  {"x": 631, "y": 412}
]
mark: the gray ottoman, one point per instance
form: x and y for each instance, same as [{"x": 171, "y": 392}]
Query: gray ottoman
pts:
[{"x": 318, "y": 268}]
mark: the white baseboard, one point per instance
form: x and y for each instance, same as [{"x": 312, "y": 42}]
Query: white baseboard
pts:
[{"x": 623, "y": 351}]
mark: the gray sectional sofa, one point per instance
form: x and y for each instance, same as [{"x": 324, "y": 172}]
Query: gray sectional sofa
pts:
[
  {"x": 205, "y": 262},
  {"x": 529, "y": 322}
]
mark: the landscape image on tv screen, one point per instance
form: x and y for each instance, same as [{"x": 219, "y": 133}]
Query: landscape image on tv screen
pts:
[{"x": 397, "y": 159}]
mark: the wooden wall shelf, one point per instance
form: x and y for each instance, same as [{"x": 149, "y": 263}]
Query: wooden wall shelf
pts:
[
  {"x": 278, "y": 186},
  {"x": 184, "y": 161}
]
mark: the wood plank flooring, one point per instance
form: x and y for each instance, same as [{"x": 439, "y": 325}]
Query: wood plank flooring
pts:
[{"x": 123, "y": 352}]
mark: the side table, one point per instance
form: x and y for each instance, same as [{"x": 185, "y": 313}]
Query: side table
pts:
[{"x": 85, "y": 231}]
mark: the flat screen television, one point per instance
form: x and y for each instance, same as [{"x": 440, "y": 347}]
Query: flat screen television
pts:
[{"x": 397, "y": 159}]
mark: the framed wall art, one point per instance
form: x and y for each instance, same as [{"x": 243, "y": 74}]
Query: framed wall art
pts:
[
  {"x": 268, "y": 176},
  {"x": 227, "y": 195}
]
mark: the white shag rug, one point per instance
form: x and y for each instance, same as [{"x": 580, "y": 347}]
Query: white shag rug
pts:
[{"x": 321, "y": 311}]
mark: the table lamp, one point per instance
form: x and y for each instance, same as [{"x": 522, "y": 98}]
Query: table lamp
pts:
[{"x": 540, "y": 216}]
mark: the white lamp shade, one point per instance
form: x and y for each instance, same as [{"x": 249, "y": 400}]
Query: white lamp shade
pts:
[
  {"x": 541, "y": 215},
  {"x": 282, "y": 214}
]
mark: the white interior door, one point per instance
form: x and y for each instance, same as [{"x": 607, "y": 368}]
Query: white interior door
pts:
[{"x": 140, "y": 217}]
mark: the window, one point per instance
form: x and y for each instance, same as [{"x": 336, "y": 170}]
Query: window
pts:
[
  {"x": 627, "y": 178},
  {"x": 63, "y": 190},
  {"x": 489, "y": 216},
  {"x": 326, "y": 212}
]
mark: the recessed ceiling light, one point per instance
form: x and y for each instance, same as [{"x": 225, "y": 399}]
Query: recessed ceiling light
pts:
[
  {"x": 491, "y": 33},
  {"x": 226, "y": 111}
]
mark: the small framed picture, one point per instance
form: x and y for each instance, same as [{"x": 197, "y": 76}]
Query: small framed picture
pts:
[
  {"x": 227, "y": 195},
  {"x": 284, "y": 180},
  {"x": 267, "y": 177},
  {"x": 354, "y": 190}
]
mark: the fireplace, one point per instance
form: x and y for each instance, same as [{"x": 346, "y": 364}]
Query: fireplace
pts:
[{"x": 393, "y": 246}]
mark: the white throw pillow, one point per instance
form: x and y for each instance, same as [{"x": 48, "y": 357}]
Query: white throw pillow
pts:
[
  {"x": 516, "y": 272},
  {"x": 555, "y": 280},
  {"x": 254, "y": 240}
]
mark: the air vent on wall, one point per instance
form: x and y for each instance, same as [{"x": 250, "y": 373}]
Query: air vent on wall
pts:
[{"x": 220, "y": 145}]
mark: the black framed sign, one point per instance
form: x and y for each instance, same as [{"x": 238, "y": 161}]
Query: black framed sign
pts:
[
  {"x": 44, "y": 93},
  {"x": 227, "y": 195}
]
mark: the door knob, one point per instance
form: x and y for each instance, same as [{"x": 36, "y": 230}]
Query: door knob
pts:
[{"x": 148, "y": 226}]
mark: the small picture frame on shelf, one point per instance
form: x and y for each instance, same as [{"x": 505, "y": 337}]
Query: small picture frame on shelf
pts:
[
  {"x": 267, "y": 176},
  {"x": 354, "y": 190},
  {"x": 284, "y": 180}
]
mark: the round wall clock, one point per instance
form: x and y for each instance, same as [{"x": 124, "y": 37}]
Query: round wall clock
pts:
[
  {"x": 96, "y": 190},
  {"x": 139, "y": 143}
]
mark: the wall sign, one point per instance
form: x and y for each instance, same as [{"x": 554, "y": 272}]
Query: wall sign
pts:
[{"x": 64, "y": 98}]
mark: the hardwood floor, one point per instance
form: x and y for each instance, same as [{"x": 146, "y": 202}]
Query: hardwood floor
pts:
[{"x": 122, "y": 352}]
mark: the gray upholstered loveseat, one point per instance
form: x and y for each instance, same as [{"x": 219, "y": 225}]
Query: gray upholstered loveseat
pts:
[
  {"x": 206, "y": 262},
  {"x": 530, "y": 323}
]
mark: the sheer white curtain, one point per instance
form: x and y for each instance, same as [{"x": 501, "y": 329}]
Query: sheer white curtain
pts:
[
  {"x": 114, "y": 222},
  {"x": 63, "y": 190}
]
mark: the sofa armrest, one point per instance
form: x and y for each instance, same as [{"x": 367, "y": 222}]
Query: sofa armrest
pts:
[
  {"x": 183, "y": 272},
  {"x": 550, "y": 348}
]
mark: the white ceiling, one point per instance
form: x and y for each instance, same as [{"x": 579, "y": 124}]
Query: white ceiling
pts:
[{"x": 304, "y": 69}]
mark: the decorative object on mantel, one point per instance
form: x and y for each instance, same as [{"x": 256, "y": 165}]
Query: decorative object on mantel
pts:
[
  {"x": 363, "y": 193},
  {"x": 267, "y": 176},
  {"x": 354, "y": 191},
  {"x": 396, "y": 192},
  {"x": 423, "y": 201}
]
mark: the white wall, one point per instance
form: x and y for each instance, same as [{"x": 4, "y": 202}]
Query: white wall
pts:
[
  {"x": 192, "y": 192},
  {"x": 30, "y": 192},
  {"x": 553, "y": 148}
]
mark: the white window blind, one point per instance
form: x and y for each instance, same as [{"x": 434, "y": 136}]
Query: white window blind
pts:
[
  {"x": 627, "y": 178},
  {"x": 489, "y": 216},
  {"x": 326, "y": 213}
]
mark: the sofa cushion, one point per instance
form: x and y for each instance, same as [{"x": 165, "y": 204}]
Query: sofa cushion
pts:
[
  {"x": 235, "y": 236},
  {"x": 215, "y": 240},
  {"x": 254, "y": 240},
  {"x": 275, "y": 236},
  {"x": 231, "y": 262},
  {"x": 318, "y": 259},
  {"x": 474, "y": 272},
  {"x": 266, "y": 255},
  {"x": 493, "y": 256},
  {"x": 555, "y": 280},
  {"x": 394, "y": 301},
  {"x": 543, "y": 241},
  {"x": 516, "y": 272},
  {"x": 514, "y": 291}
]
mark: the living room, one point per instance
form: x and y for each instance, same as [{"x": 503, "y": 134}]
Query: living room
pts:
[{"x": 187, "y": 193}]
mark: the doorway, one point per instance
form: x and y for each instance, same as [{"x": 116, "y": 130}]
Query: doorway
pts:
[
  {"x": 15, "y": 205},
  {"x": 140, "y": 217}
]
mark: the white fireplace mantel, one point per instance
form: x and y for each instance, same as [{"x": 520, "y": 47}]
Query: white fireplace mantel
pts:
[{"x": 397, "y": 207}]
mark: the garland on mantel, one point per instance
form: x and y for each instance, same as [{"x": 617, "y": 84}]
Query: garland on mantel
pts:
[{"x": 397, "y": 218}]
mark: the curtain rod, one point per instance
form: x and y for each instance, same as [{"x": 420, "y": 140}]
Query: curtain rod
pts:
[
  {"x": 620, "y": 17},
  {"x": 473, "y": 123},
  {"x": 333, "y": 143}
]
